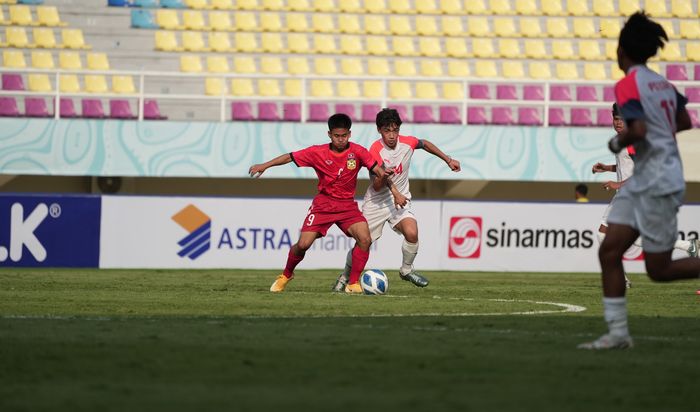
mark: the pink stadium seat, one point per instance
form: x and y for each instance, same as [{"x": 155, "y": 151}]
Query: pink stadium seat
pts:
[
  {"x": 693, "y": 94},
  {"x": 586, "y": 94},
  {"x": 67, "y": 108},
  {"x": 529, "y": 116},
  {"x": 559, "y": 92},
  {"x": 369, "y": 112},
  {"x": 450, "y": 115},
  {"x": 479, "y": 91},
  {"x": 151, "y": 111},
  {"x": 609, "y": 94},
  {"x": 403, "y": 111},
  {"x": 8, "y": 107},
  {"x": 533, "y": 92},
  {"x": 506, "y": 92},
  {"x": 241, "y": 111},
  {"x": 12, "y": 81},
  {"x": 318, "y": 112},
  {"x": 476, "y": 115},
  {"x": 36, "y": 107},
  {"x": 268, "y": 111},
  {"x": 120, "y": 109},
  {"x": 557, "y": 117},
  {"x": 423, "y": 114},
  {"x": 346, "y": 108},
  {"x": 694, "y": 118},
  {"x": 581, "y": 116},
  {"x": 291, "y": 112},
  {"x": 604, "y": 117},
  {"x": 502, "y": 115},
  {"x": 697, "y": 72},
  {"x": 92, "y": 109},
  {"x": 676, "y": 72}
]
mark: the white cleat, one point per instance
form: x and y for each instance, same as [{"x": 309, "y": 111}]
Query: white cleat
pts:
[
  {"x": 608, "y": 341},
  {"x": 628, "y": 282},
  {"x": 694, "y": 246}
]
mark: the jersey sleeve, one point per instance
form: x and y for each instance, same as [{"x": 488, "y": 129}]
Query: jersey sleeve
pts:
[
  {"x": 303, "y": 157},
  {"x": 681, "y": 101},
  {"x": 367, "y": 158},
  {"x": 628, "y": 98},
  {"x": 412, "y": 141},
  {"x": 375, "y": 150}
]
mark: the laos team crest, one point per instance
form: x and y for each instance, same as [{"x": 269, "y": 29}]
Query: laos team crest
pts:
[{"x": 351, "y": 164}]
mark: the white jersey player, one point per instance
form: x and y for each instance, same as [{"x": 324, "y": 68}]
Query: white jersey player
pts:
[{"x": 389, "y": 200}]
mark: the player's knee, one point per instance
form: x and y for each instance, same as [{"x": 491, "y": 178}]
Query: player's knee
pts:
[
  {"x": 303, "y": 245},
  {"x": 657, "y": 274},
  {"x": 411, "y": 237},
  {"x": 608, "y": 254},
  {"x": 363, "y": 242}
]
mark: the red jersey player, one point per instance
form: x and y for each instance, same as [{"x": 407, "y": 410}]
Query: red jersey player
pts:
[{"x": 337, "y": 165}]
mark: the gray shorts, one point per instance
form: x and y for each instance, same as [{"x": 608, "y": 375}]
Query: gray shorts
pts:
[{"x": 653, "y": 216}]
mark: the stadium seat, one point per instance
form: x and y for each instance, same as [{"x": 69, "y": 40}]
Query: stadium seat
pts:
[
  {"x": 696, "y": 72},
  {"x": 270, "y": 22},
  {"x": 321, "y": 88},
  {"x": 13, "y": 59},
  {"x": 352, "y": 66},
  {"x": 48, "y": 16},
  {"x": 430, "y": 68},
  {"x": 372, "y": 89},
  {"x": 669, "y": 28},
  {"x": 291, "y": 112},
  {"x": 506, "y": 92},
  {"x": 586, "y": 94},
  {"x": 509, "y": 48},
  {"x": 430, "y": 46},
  {"x": 627, "y": 7},
  {"x": 298, "y": 65},
  {"x": 323, "y": 23},
  {"x": 271, "y": 65},
  {"x": 97, "y": 61},
  {"x": 539, "y": 70},
  {"x": 471, "y": 7},
  {"x": 36, "y": 107},
  {"x": 610, "y": 28},
  {"x": 562, "y": 49},
  {"x": 529, "y": 116},
  {"x": 269, "y": 87},
  {"x": 501, "y": 7},
  {"x": 558, "y": 27},
  {"x": 453, "y": 7},
  {"x": 375, "y": 7},
  {"x": 552, "y": 7},
  {"x": 483, "y": 48},
  {"x": 194, "y": 20},
  {"x": 96, "y": 83},
  {"x": 217, "y": 64},
  {"x": 399, "y": 89},
  {"x": 502, "y": 115},
  {"x": 426, "y": 91},
  {"x": 526, "y": 7},
  {"x": 611, "y": 50},
  {"x": 73, "y": 39},
  {"x": 190, "y": 63},
  {"x": 476, "y": 115},
  {"x": 376, "y": 45},
  {"x": 513, "y": 69},
  {"x": 504, "y": 27},
  {"x": 214, "y": 86},
  {"x": 242, "y": 87},
  {"x": 44, "y": 38},
  {"x": 452, "y": 25},
  {"x": 244, "y": 65},
  {"x": 39, "y": 83},
  {"x": 378, "y": 67},
  {"x": 375, "y": 24},
  {"x": 8, "y": 107},
  {"x": 581, "y": 116},
  {"x": 403, "y": 111},
  {"x": 671, "y": 52},
  {"x": 193, "y": 41},
  {"x": 151, "y": 111},
  {"x": 350, "y": 24},
  {"x": 449, "y": 115},
  {"x": 21, "y": 15},
  {"x": 143, "y": 19},
  {"x": 352, "y": 45},
  {"x": 346, "y": 108},
  {"x": 603, "y": 117},
  {"x": 485, "y": 68},
  {"x": 42, "y": 60},
  {"x": 683, "y": 9},
  {"x": 427, "y": 26},
  {"x": 351, "y": 6},
  {"x": 267, "y": 111},
  {"x": 400, "y": 25},
  {"x": 168, "y": 19},
  {"x": 16, "y": 37},
  {"x": 533, "y": 92},
  {"x": 456, "y": 47},
  {"x": 556, "y": 117},
  {"x": 676, "y": 72},
  {"x": 585, "y": 28},
  {"x": 325, "y": 66},
  {"x": 404, "y": 67},
  {"x": 245, "y": 21},
  {"x": 369, "y": 112},
  {"x": 479, "y": 91},
  {"x": 690, "y": 29},
  {"x": 589, "y": 50},
  {"x": 324, "y": 43},
  {"x": 219, "y": 42},
  {"x": 692, "y": 51},
  {"x": 478, "y": 26},
  {"x": 693, "y": 94},
  {"x": 220, "y": 21},
  {"x": 318, "y": 112},
  {"x": 458, "y": 68},
  {"x": 245, "y": 4},
  {"x": 578, "y": 8},
  {"x": 69, "y": 60},
  {"x": 535, "y": 49},
  {"x": 298, "y": 43},
  {"x": 166, "y": 41},
  {"x": 423, "y": 114},
  {"x": 144, "y": 3},
  {"x": 297, "y": 22},
  {"x": 403, "y": 46},
  {"x": 226, "y": 4},
  {"x": 656, "y": 9},
  {"x": 69, "y": 83},
  {"x": 594, "y": 71},
  {"x": 272, "y": 43},
  {"x": 694, "y": 117},
  {"x": 567, "y": 71},
  {"x": 241, "y": 111},
  {"x": 453, "y": 91},
  {"x": 604, "y": 8},
  {"x": 348, "y": 88},
  {"x": 120, "y": 109},
  {"x": 530, "y": 27},
  {"x": 246, "y": 42},
  {"x": 196, "y": 4},
  {"x": 559, "y": 92},
  {"x": 608, "y": 93},
  {"x": 92, "y": 109},
  {"x": 172, "y": 4}
]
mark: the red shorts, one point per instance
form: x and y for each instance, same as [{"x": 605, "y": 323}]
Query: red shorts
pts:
[{"x": 326, "y": 212}]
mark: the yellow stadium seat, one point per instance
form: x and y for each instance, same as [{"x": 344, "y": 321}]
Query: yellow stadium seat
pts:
[
  {"x": 590, "y": 50},
  {"x": 567, "y": 71},
  {"x": 426, "y": 26},
  {"x": 321, "y": 88},
  {"x": 245, "y": 4},
  {"x": 617, "y": 74},
  {"x": 350, "y": 24},
  {"x": 217, "y": 64},
  {"x": 585, "y": 28},
  {"x": 245, "y": 42},
  {"x": 692, "y": 51},
  {"x": 69, "y": 60},
  {"x": 683, "y": 8},
  {"x": 404, "y": 67},
  {"x": 539, "y": 70},
  {"x": 271, "y": 65},
  {"x": 375, "y": 6},
  {"x": 578, "y": 8},
  {"x": 376, "y": 45},
  {"x": 323, "y": 23},
  {"x": 378, "y": 67},
  {"x": 196, "y": 4},
  {"x": 426, "y": 91},
  {"x": 656, "y": 8},
  {"x": 21, "y": 15},
  {"x": 269, "y": 87},
  {"x": 483, "y": 48},
  {"x": 351, "y": 45},
  {"x": 453, "y": 91},
  {"x": 166, "y": 41},
  {"x": 594, "y": 71},
  {"x": 456, "y": 47},
  {"x": 430, "y": 68},
  {"x": 298, "y": 43},
  {"x": 426, "y": 7},
  {"x": 604, "y": 8},
  {"x": 242, "y": 87},
  {"x": 297, "y": 65},
  {"x": 373, "y": 89},
  {"x": 223, "y": 4},
  {"x": 530, "y": 27},
  {"x": 97, "y": 61},
  {"x": 193, "y": 41},
  {"x": 193, "y": 20},
  {"x": 452, "y": 6},
  {"x": 513, "y": 69},
  {"x": 562, "y": 49},
  {"x": 500, "y": 6},
  {"x": 168, "y": 19},
  {"x": 245, "y": 21},
  {"x": 292, "y": 87},
  {"x": 219, "y": 42},
  {"x": 325, "y": 66},
  {"x": 403, "y": 46},
  {"x": 351, "y": 6},
  {"x": 39, "y": 83},
  {"x": 552, "y": 7},
  {"x": 526, "y": 8},
  {"x": 324, "y": 43},
  {"x": 558, "y": 27},
  {"x": 672, "y": 53},
  {"x": 324, "y": 5},
  {"x": 627, "y": 7},
  {"x": 401, "y": 7},
  {"x": 458, "y": 68},
  {"x": 274, "y": 5},
  {"x": 220, "y": 21},
  {"x": 429, "y": 46},
  {"x": 297, "y": 22},
  {"x": 96, "y": 83},
  {"x": 690, "y": 29},
  {"x": 44, "y": 38},
  {"x": 42, "y": 60},
  {"x": 470, "y": 6},
  {"x": 214, "y": 86},
  {"x": 123, "y": 84},
  {"x": 14, "y": 59},
  {"x": 375, "y": 24},
  {"x": 272, "y": 43},
  {"x": 48, "y": 16},
  {"x": 668, "y": 28},
  {"x": 348, "y": 88},
  {"x": 610, "y": 28},
  {"x": 400, "y": 25},
  {"x": 190, "y": 63},
  {"x": 504, "y": 27},
  {"x": 399, "y": 89},
  {"x": 611, "y": 50},
  {"x": 654, "y": 67},
  {"x": 69, "y": 83},
  {"x": 352, "y": 66},
  {"x": 16, "y": 37},
  {"x": 509, "y": 48},
  {"x": 452, "y": 26},
  {"x": 2, "y": 17},
  {"x": 535, "y": 49},
  {"x": 244, "y": 65},
  {"x": 73, "y": 39},
  {"x": 478, "y": 26},
  {"x": 485, "y": 68}
]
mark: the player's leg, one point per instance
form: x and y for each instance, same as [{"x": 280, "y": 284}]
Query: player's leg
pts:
[
  {"x": 603, "y": 228},
  {"x": 408, "y": 227},
  {"x": 294, "y": 257},
  {"x": 360, "y": 254}
]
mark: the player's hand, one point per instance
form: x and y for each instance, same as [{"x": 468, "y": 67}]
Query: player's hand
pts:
[
  {"x": 454, "y": 165},
  {"x": 610, "y": 185},
  {"x": 599, "y": 168},
  {"x": 400, "y": 201},
  {"x": 255, "y": 171}
]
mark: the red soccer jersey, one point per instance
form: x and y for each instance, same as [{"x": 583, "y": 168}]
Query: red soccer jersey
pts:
[{"x": 337, "y": 172}]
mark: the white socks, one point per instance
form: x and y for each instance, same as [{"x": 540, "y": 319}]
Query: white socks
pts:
[
  {"x": 409, "y": 251},
  {"x": 348, "y": 264},
  {"x": 616, "y": 315}
]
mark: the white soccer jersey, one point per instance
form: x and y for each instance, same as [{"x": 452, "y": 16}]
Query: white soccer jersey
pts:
[
  {"x": 624, "y": 164},
  {"x": 398, "y": 158}
]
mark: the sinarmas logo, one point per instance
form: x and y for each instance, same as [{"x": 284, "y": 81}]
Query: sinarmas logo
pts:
[
  {"x": 465, "y": 237},
  {"x": 198, "y": 225}
]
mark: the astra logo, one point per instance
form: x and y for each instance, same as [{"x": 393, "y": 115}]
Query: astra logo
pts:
[
  {"x": 22, "y": 232},
  {"x": 198, "y": 225},
  {"x": 465, "y": 237}
]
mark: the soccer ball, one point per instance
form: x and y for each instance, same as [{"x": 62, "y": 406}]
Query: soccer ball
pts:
[{"x": 374, "y": 282}]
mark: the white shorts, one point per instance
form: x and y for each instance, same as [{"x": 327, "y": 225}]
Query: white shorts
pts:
[
  {"x": 378, "y": 215},
  {"x": 604, "y": 219}
]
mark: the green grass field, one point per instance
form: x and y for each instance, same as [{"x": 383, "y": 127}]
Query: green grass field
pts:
[{"x": 88, "y": 340}]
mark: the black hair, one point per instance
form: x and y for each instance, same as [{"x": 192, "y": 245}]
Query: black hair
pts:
[
  {"x": 387, "y": 117},
  {"x": 641, "y": 38},
  {"x": 616, "y": 110},
  {"x": 582, "y": 188},
  {"x": 339, "y": 121}
]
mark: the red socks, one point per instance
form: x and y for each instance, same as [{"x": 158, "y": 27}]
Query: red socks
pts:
[
  {"x": 359, "y": 260},
  {"x": 292, "y": 262}
]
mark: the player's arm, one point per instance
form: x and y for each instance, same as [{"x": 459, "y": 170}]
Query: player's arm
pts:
[
  {"x": 258, "y": 169},
  {"x": 683, "y": 121},
  {"x": 636, "y": 131},
  {"x": 434, "y": 150},
  {"x": 600, "y": 168}
]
